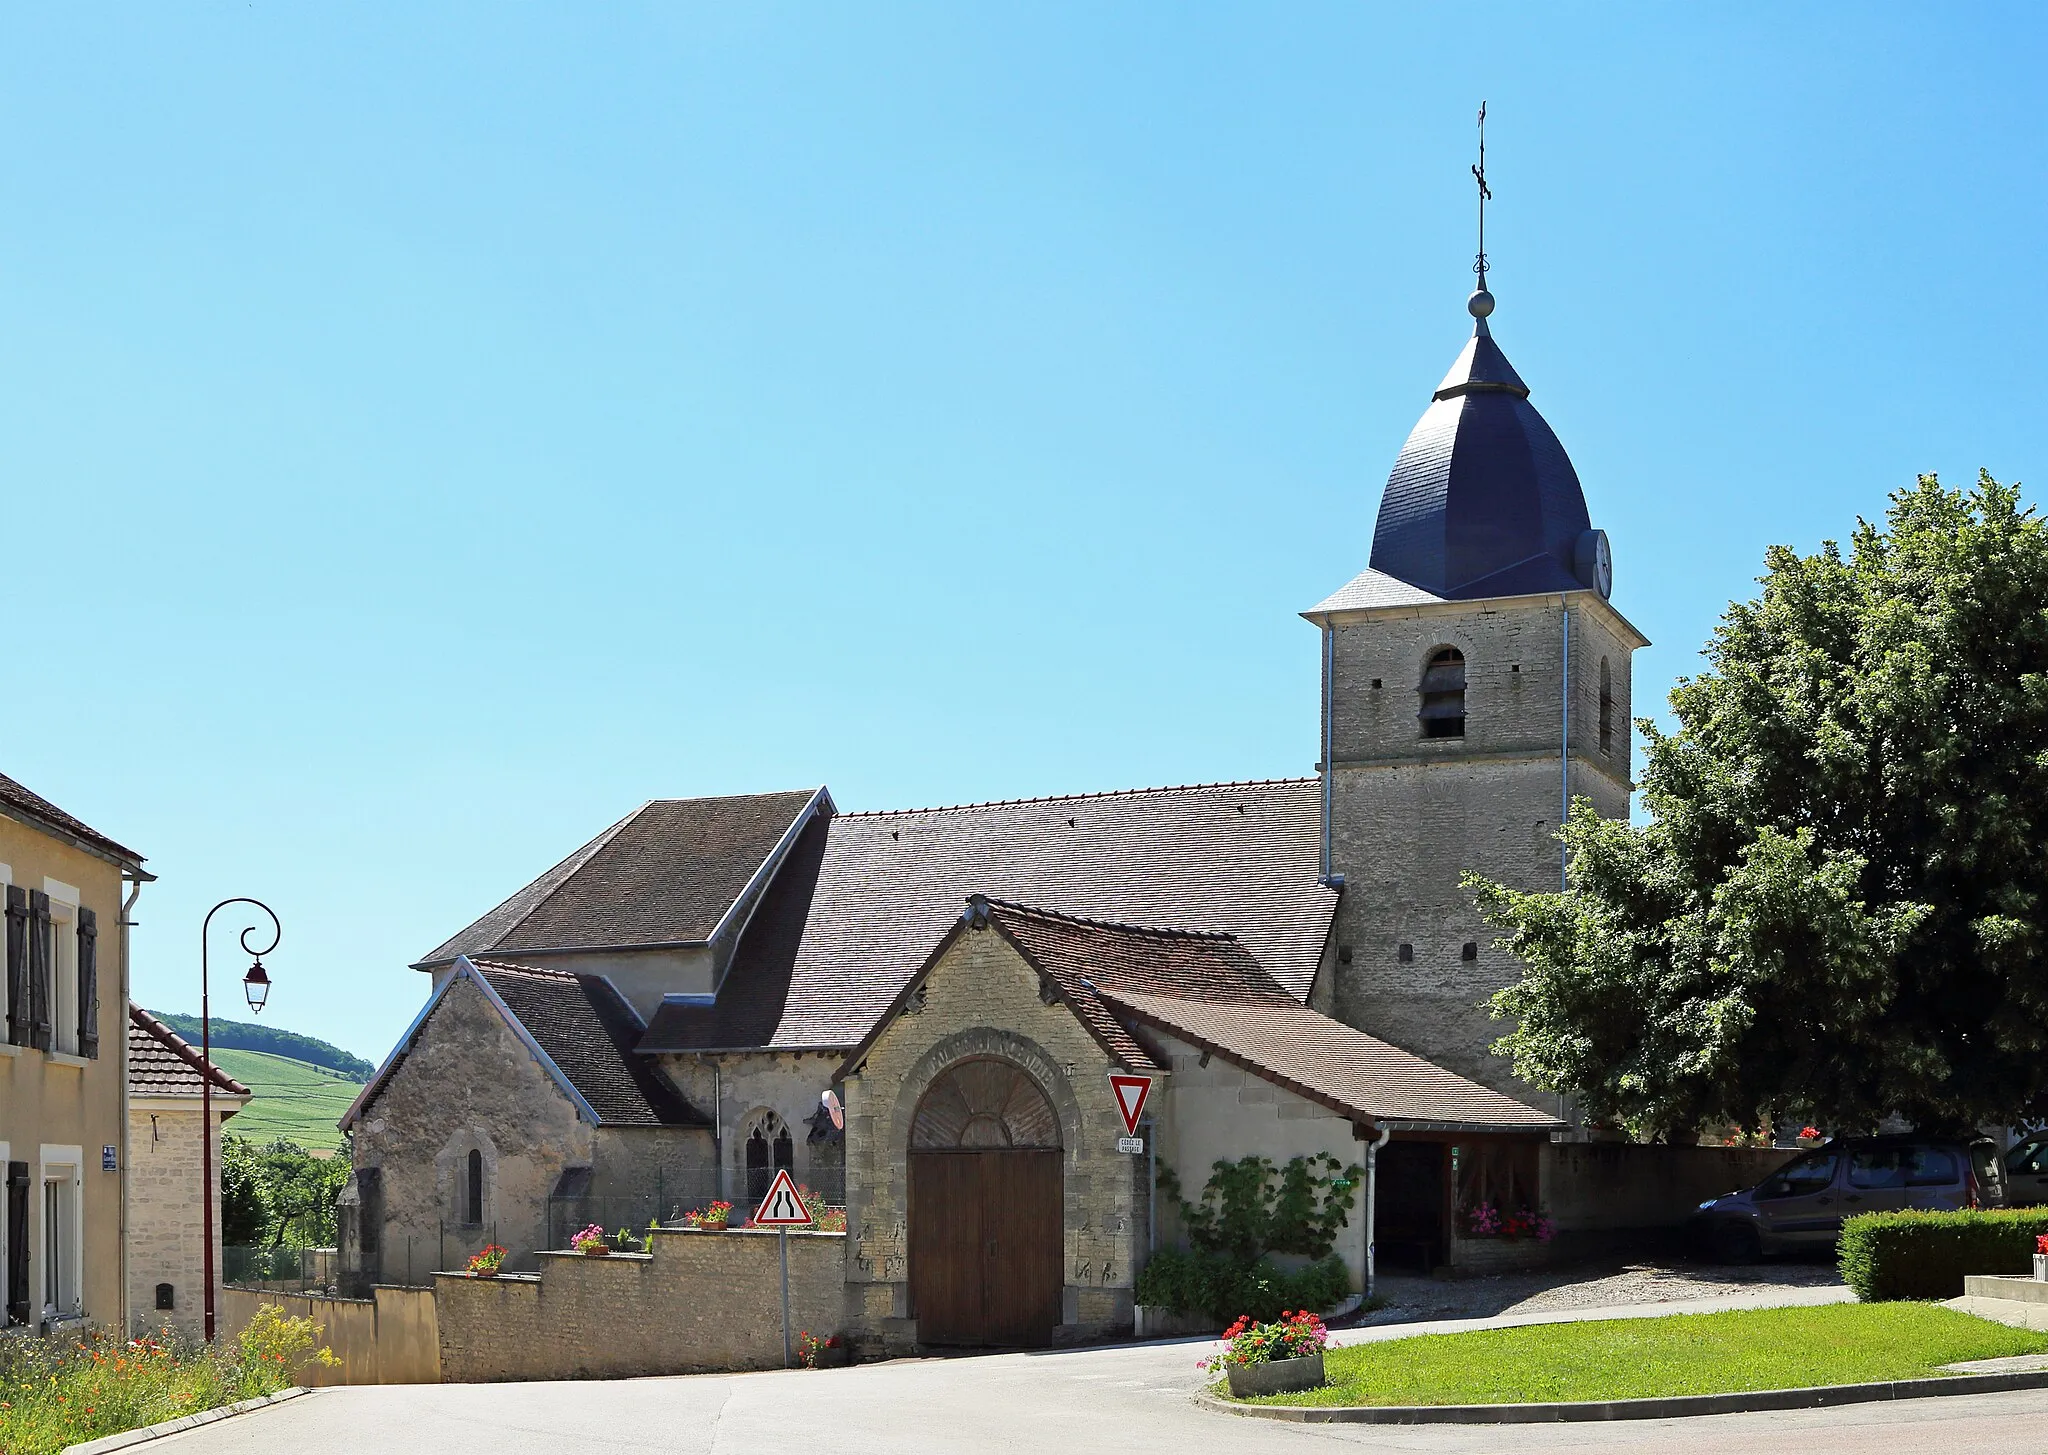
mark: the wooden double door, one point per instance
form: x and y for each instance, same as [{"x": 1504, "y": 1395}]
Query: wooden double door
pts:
[{"x": 986, "y": 1241}]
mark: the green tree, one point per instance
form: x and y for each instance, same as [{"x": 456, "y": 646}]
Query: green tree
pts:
[
  {"x": 1835, "y": 909},
  {"x": 300, "y": 1189},
  {"x": 244, "y": 1211}
]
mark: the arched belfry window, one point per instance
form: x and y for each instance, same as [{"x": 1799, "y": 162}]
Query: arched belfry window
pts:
[
  {"x": 473, "y": 1190},
  {"x": 1443, "y": 694},
  {"x": 1606, "y": 707},
  {"x": 770, "y": 1149}
]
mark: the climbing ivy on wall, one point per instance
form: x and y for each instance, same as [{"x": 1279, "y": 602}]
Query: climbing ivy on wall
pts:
[{"x": 1251, "y": 1207}]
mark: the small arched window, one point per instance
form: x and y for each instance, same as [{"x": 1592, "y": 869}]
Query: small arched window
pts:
[
  {"x": 1606, "y": 707},
  {"x": 473, "y": 1192},
  {"x": 1443, "y": 694},
  {"x": 770, "y": 1150}
]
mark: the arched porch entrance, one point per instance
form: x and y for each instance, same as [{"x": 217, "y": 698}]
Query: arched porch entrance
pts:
[{"x": 987, "y": 1208}]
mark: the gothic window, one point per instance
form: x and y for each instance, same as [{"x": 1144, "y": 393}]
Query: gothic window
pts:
[
  {"x": 1443, "y": 694},
  {"x": 1606, "y": 707},
  {"x": 769, "y": 1150}
]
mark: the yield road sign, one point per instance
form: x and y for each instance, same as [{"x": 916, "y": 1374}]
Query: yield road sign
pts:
[
  {"x": 1131, "y": 1092},
  {"x": 782, "y": 1207}
]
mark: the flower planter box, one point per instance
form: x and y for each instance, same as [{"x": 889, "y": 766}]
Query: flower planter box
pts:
[
  {"x": 2041, "y": 1268},
  {"x": 833, "y": 1357},
  {"x": 595, "y": 1252},
  {"x": 1277, "y": 1376}
]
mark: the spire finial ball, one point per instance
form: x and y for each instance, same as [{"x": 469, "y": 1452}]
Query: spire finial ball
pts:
[{"x": 1480, "y": 304}]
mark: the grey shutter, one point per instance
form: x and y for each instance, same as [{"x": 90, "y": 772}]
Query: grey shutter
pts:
[
  {"x": 17, "y": 965},
  {"x": 39, "y": 970},
  {"x": 88, "y": 982}
]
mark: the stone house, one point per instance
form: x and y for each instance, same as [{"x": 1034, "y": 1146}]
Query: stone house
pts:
[
  {"x": 166, "y": 1254},
  {"x": 1291, "y": 962},
  {"x": 63, "y": 1066}
]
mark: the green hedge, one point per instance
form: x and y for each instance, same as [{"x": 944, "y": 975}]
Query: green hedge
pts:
[
  {"x": 1191, "y": 1281},
  {"x": 1927, "y": 1254}
]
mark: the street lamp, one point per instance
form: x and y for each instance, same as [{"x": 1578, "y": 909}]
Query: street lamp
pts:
[{"x": 255, "y": 985}]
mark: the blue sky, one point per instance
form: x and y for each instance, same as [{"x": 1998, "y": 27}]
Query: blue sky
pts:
[{"x": 431, "y": 430}]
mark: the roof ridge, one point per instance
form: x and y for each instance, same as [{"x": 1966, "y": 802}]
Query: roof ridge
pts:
[
  {"x": 1070, "y": 797},
  {"x": 542, "y": 971},
  {"x": 1162, "y": 931}
]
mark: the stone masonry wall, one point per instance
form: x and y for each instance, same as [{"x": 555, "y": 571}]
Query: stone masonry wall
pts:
[
  {"x": 164, "y": 1213},
  {"x": 1410, "y": 815},
  {"x": 697, "y": 1303},
  {"x": 468, "y": 1081},
  {"x": 982, "y": 999}
]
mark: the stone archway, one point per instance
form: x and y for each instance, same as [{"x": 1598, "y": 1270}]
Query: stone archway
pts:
[{"x": 987, "y": 1207}]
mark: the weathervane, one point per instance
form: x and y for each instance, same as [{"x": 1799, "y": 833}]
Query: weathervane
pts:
[{"x": 1481, "y": 301}]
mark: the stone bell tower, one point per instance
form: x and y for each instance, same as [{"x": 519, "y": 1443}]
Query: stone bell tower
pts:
[{"x": 1475, "y": 675}]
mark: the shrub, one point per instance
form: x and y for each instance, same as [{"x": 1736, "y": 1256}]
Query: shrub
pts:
[
  {"x": 1224, "y": 1287},
  {"x": 1927, "y": 1254}
]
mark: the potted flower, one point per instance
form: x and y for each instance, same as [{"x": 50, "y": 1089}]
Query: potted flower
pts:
[
  {"x": 1809, "y": 1136},
  {"x": 487, "y": 1263},
  {"x": 591, "y": 1243},
  {"x": 2041, "y": 1258},
  {"x": 1275, "y": 1358},
  {"x": 712, "y": 1219},
  {"x": 825, "y": 1217}
]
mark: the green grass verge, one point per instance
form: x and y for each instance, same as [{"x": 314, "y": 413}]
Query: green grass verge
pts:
[
  {"x": 293, "y": 1099},
  {"x": 1780, "y": 1348}
]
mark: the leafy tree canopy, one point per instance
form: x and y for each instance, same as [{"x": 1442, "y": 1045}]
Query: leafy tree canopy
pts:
[{"x": 1836, "y": 909}]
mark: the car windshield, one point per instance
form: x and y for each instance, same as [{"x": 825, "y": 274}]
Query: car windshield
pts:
[{"x": 1814, "y": 1172}]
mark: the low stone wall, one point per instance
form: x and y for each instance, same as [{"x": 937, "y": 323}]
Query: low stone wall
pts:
[
  {"x": 695, "y": 1303},
  {"x": 1633, "y": 1185},
  {"x": 389, "y": 1338}
]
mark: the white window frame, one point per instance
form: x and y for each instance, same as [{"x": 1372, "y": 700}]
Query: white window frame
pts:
[
  {"x": 62, "y": 1167},
  {"x": 63, "y": 968}
]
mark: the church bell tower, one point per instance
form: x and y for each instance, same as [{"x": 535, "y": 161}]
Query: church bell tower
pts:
[{"x": 1475, "y": 678}]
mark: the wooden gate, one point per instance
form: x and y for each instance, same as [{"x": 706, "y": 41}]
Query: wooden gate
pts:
[{"x": 987, "y": 1209}]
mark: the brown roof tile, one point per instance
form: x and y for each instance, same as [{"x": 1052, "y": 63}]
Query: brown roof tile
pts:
[
  {"x": 33, "y": 806},
  {"x": 163, "y": 1063}
]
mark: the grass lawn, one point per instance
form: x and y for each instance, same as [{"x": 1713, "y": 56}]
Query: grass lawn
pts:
[
  {"x": 1779, "y": 1348},
  {"x": 293, "y": 1099}
]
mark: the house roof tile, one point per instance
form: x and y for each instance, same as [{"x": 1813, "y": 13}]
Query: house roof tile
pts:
[
  {"x": 163, "y": 1063},
  {"x": 24, "y": 803}
]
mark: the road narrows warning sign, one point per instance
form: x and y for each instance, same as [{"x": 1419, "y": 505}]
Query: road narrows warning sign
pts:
[
  {"x": 1131, "y": 1092},
  {"x": 782, "y": 1207}
]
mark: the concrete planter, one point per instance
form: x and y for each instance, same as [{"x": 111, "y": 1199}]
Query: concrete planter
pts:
[
  {"x": 595, "y": 1252},
  {"x": 2041, "y": 1268},
  {"x": 1276, "y": 1376}
]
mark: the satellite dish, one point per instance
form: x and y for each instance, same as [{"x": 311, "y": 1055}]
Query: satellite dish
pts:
[{"x": 834, "y": 1110}]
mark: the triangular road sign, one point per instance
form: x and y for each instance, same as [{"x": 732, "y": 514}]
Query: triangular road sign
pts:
[
  {"x": 782, "y": 1207},
  {"x": 1131, "y": 1092}
]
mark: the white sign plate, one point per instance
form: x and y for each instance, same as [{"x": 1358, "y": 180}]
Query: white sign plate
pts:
[
  {"x": 782, "y": 1207},
  {"x": 1130, "y": 1144}
]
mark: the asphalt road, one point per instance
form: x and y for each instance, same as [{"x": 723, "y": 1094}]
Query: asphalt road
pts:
[{"x": 1118, "y": 1401}]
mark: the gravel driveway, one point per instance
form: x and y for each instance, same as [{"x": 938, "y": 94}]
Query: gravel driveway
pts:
[{"x": 1609, "y": 1283}]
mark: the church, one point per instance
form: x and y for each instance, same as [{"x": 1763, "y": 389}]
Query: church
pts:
[{"x": 918, "y": 1012}]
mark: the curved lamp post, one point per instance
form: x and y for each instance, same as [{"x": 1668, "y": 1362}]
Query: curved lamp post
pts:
[{"x": 256, "y": 985}]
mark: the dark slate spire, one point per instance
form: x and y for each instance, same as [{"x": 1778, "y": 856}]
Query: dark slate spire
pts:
[{"x": 1483, "y": 500}]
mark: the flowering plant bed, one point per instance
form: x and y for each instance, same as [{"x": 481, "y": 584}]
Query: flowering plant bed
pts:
[
  {"x": 828, "y": 1352},
  {"x": 591, "y": 1242},
  {"x": 1484, "y": 1220},
  {"x": 487, "y": 1262},
  {"x": 711, "y": 1219},
  {"x": 826, "y": 1218},
  {"x": 61, "y": 1390}
]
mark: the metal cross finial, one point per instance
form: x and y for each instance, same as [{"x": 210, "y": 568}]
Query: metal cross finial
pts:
[{"x": 1485, "y": 196}]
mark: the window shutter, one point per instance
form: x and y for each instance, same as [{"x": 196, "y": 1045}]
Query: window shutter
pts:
[
  {"x": 39, "y": 989},
  {"x": 88, "y": 982},
  {"x": 17, "y": 965}
]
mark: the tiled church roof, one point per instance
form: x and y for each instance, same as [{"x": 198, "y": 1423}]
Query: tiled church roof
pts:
[
  {"x": 163, "y": 1063},
  {"x": 863, "y": 897},
  {"x": 666, "y": 874}
]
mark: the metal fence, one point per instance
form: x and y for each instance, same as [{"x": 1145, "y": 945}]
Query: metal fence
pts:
[{"x": 279, "y": 1268}]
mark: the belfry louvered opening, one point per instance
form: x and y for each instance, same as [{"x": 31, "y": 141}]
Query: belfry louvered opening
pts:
[{"x": 1443, "y": 694}]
